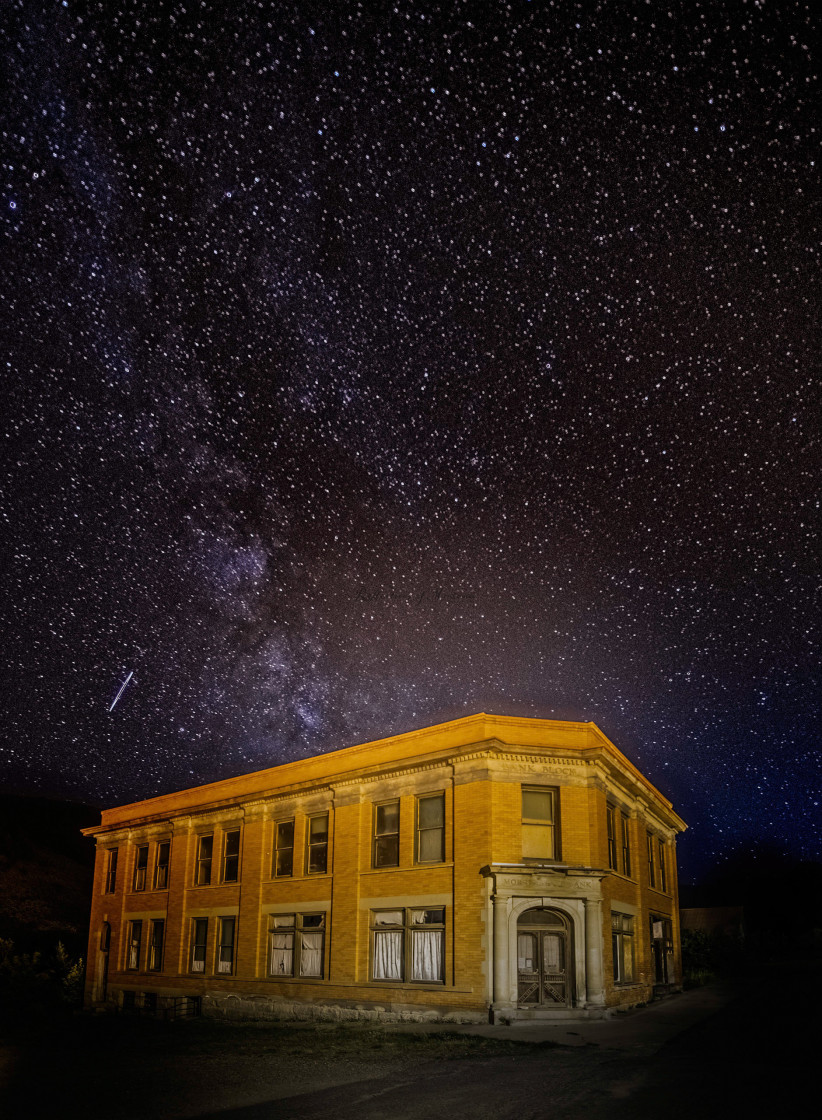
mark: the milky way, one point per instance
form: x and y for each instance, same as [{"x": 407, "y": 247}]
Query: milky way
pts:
[{"x": 370, "y": 365}]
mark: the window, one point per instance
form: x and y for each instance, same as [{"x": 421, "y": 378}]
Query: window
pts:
[
  {"x": 663, "y": 876},
  {"x": 651, "y": 867},
  {"x": 225, "y": 960},
  {"x": 387, "y": 834},
  {"x": 140, "y": 867},
  {"x": 205, "y": 848},
  {"x": 297, "y": 945},
  {"x": 161, "y": 865},
  {"x": 111, "y": 870},
  {"x": 199, "y": 936},
  {"x": 155, "y": 957},
  {"x": 622, "y": 944},
  {"x": 231, "y": 856},
  {"x": 284, "y": 849},
  {"x": 318, "y": 844},
  {"x": 626, "y": 844},
  {"x": 539, "y": 824},
  {"x": 610, "y": 817},
  {"x": 135, "y": 936},
  {"x": 408, "y": 945},
  {"x": 431, "y": 828}
]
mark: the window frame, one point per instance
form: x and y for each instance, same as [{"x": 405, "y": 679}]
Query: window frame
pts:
[
  {"x": 196, "y": 925},
  {"x": 275, "y": 861},
  {"x": 202, "y": 862},
  {"x": 535, "y": 821},
  {"x": 110, "y": 879},
  {"x": 135, "y": 925},
  {"x": 156, "y": 946},
  {"x": 418, "y": 830},
  {"x": 376, "y": 836},
  {"x": 319, "y": 845},
  {"x": 295, "y": 930},
  {"x": 158, "y": 864},
  {"x": 610, "y": 831},
  {"x": 626, "y": 843},
  {"x": 651, "y": 862},
  {"x": 140, "y": 876},
  {"x": 224, "y": 864},
  {"x": 226, "y": 949},
  {"x": 623, "y": 931},
  {"x": 408, "y": 928},
  {"x": 663, "y": 871}
]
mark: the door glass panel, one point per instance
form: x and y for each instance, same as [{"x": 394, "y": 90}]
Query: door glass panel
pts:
[{"x": 552, "y": 952}]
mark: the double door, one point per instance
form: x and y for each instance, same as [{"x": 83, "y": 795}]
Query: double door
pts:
[{"x": 542, "y": 957}]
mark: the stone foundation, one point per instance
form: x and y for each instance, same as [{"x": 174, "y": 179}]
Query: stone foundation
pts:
[{"x": 221, "y": 1006}]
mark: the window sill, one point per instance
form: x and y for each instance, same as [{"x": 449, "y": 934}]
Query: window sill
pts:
[{"x": 410, "y": 985}]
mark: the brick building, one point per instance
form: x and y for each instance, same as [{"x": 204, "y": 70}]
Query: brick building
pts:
[{"x": 520, "y": 867}]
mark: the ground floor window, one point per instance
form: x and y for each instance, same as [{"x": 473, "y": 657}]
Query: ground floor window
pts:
[
  {"x": 622, "y": 945},
  {"x": 408, "y": 944},
  {"x": 199, "y": 937},
  {"x": 155, "y": 959},
  {"x": 297, "y": 945},
  {"x": 135, "y": 938},
  {"x": 225, "y": 961}
]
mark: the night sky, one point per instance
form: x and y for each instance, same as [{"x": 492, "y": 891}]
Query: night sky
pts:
[{"x": 370, "y": 365}]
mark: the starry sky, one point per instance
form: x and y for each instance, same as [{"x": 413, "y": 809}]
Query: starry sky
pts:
[{"x": 369, "y": 365}]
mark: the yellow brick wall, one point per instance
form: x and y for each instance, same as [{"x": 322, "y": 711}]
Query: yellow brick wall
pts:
[{"x": 483, "y": 825}]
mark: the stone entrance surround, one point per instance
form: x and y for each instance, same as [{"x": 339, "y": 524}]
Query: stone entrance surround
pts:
[{"x": 574, "y": 892}]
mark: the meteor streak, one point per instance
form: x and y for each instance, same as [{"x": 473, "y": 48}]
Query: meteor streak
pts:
[{"x": 122, "y": 689}]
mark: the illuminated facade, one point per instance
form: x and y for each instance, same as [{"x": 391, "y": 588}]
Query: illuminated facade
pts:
[{"x": 518, "y": 867}]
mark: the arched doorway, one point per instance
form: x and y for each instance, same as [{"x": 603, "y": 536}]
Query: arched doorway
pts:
[{"x": 543, "y": 959}]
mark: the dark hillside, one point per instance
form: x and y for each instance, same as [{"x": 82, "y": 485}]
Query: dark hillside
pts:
[{"x": 46, "y": 870}]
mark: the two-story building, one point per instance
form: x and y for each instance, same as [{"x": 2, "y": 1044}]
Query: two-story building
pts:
[{"x": 492, "y": 864}]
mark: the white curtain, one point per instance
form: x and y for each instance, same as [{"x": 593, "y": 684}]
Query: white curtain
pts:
[
  {"x": 525, "y": 952},
  {"x": 311, "y": 954},
  {"x": 388, "y": 955},
  {"x": 426, "y": 954},
  {"x": 282, "y": 954},
  {"x": 388, "y": 918},
  {"x": 552, "y": 953}
]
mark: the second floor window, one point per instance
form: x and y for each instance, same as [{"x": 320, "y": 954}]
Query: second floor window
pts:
[
  {"x": 225, "y": 961},
  {"x": 155, "y": 957},
  {"x": 626, "y": 844},
  {"x": 161, "y": 866},
  {"x": 111, "y": 871},
  {"x": 539, "y": 838},
  {"x": 610, "y": 817},
  {"x": 231, "y": 856},
  {"x": 199, "y": 938},
  {"x": 318, "y": 844},
  {"x": 283, "y": 849},
  {"x": 135, "y": 937},
  {"x": 651, "y": 862},
  {"x": 140, "y": 867},
  {"x": 205, "y": 849},
  {"x": 663, "y": 877},
  {"x": 431, "y": 828},
  {"x": 387, "y": 834}
]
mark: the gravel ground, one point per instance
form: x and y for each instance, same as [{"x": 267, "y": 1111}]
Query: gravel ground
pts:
[{"x": 746, "y": 1049}]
